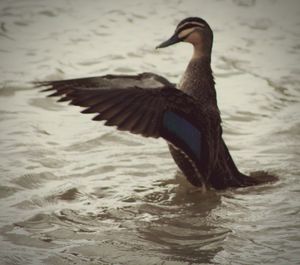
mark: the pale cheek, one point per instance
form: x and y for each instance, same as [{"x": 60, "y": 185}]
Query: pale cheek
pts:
[
  {"x": 185, "y": 32},
  {"x": 193, "y": 38}
]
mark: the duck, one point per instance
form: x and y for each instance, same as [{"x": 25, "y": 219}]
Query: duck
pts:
[{"x": 185, "y": 115}]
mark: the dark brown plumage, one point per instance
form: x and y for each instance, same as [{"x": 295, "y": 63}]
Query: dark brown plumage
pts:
[{"x": 149, "y": 105}]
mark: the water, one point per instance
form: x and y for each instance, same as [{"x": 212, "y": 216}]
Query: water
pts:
[{"x": 75, "y": 192}]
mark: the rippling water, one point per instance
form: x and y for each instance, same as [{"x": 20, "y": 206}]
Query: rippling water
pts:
[{"x": 75, "y": 192}]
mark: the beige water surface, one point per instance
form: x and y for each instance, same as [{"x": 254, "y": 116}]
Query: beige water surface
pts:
[{"x": 75, "y": 192}]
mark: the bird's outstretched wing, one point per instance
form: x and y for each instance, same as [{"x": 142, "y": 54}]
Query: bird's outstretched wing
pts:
[{"x": 144, "y": 104}]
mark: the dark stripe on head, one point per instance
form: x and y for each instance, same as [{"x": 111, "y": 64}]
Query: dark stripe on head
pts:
[
  {"x": 192, "y": 19},
  {"x": 190, "y": 23}
]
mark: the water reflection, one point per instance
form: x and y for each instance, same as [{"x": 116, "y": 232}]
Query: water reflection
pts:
[
  {"x": 178, "y": 228},
  {"x": 184, "y": 230}
]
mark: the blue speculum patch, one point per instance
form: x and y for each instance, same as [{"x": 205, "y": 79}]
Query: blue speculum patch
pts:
[{"x": 183, "y": 130}]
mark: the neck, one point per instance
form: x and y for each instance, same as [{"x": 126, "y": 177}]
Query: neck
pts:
[
  {"x": 198, "y": 79},
  {"x": 201, "y": 58},
  {"x": 200, "y": 52}
]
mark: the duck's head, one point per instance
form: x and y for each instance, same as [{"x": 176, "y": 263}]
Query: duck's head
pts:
[{"x": 193, "y": 30}]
